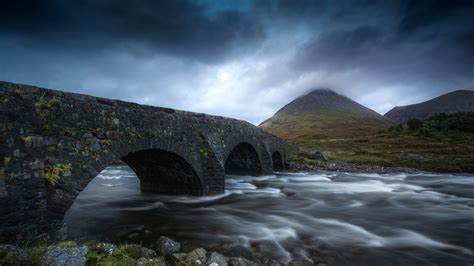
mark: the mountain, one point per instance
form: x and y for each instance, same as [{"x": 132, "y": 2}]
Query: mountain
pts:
[
  {"x": 453, "y": 102},
  {"x": 322, "y": 113}
]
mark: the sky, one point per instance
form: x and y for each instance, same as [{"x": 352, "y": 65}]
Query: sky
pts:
[{"x": 244, "y": 58}]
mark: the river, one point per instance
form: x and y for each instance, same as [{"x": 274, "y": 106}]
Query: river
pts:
[{"x": 340, "y": 218}]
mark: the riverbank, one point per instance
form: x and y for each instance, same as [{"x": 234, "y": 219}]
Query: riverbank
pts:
[
  {"x": 165, "y": 252},
  {"x": 311, "y": 166},
  {"x": 441, "y": 152}
]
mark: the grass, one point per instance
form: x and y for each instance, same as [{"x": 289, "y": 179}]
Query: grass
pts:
[
  {"x": 439, "y": 152},
  {"x": 123, "y": 255}
]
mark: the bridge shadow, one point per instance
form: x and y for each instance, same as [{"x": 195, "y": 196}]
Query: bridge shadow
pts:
[
  {"x": 164, "y": 172},
  {"x": 277, "y": 160},
  {"x": 243, "y": 160}
]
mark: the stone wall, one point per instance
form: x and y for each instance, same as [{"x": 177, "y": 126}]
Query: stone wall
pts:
[{"x": 54, "y": 143}]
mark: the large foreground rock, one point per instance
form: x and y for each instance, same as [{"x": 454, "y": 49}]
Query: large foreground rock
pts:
[
  {"x": 151, "y": 262},
  {"x": 12, "y": 255},
  {"x": 166, "y": 246},
  {"x": 105, "y": 248},
  {"x": 240, "y": 261},
  {"x": 71, "y": 256},
  {"x": 216, "y": 259},
  {"x": 198, "y": 256}
]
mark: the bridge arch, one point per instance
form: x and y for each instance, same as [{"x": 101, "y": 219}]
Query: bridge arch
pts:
[
  {"x": 164, "y": 172},
  {"x": 160, "y": 165},
  {"x": 243, "y": 159},
  {"x": 277, "y": 161}
]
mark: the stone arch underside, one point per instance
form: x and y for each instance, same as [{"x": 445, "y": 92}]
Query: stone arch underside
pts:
[
  {"x": 277, "y": 160},
  {"x": 164, "y": 172},
  {"x": 243, "y": 159}
]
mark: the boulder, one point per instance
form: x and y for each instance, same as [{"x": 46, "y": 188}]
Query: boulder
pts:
[
  {"x": 240, "y": 261},
  {"x": 148, "y": 253},
  {"x": 317, "y": 155},
  {"x": 71, "y": 256},
  {"x": 179, "y": 256},
  {"x": 216, "y": 259},
  {"x": 105, "y": 248},
  {"x": 135, "y": 251},
  {"x": 166, "y": 246},
  {"x": 270, "y": 262},
  {"x": 12, "y": 255},
  {"x": 151, "y": 262},
  {"x": 198, "y": 256}
]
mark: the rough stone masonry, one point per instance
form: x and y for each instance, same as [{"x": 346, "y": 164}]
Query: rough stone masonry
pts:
[{"x": 54, "y": 143}]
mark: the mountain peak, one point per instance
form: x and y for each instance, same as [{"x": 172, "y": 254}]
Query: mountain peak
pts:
[
  {"x": 322, "y": 99},
  {"x": 322, "y": 108},
  {"x": 451, "y": 102}
]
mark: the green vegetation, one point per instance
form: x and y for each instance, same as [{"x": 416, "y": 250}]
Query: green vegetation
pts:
[
  {"x": 122, "y": 255},
  {"x": 442, "y": 143},
  {"x": 53, "y": 173},
  {"x": 34, "y": 253},
  {"x": 45, "y": 103},
  {"x": 204, "y": 153}
]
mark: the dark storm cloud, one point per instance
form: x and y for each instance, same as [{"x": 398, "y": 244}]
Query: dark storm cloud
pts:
[
  {"x": 425, "y": 46},
  {"x": 244, "y": 58},
  {"x": 419, "y": 14},
  {"x": 180, "y": 28}
]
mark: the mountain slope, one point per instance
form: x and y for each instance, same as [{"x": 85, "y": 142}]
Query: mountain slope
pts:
[
  {"x": 322, "y": 113},
  {"x": 453, "y": 102}
]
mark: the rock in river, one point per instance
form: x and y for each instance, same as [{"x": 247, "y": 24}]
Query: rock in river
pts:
[
  {"x": 71, "y": 256},
  {"x": 12, "y": 255},
  {"x": 216, "y": 259},
  {"x": 166, "y": 246}
]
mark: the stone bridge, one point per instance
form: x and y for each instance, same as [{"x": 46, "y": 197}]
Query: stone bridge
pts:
[{"x": 54, "y": 143}]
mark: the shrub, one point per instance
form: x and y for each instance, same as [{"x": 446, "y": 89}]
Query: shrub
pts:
[
  {"x": 452, "y": 122},
  {"x": 414, "y": 124}
]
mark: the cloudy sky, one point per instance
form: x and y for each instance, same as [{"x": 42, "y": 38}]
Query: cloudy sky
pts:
[{"x": 243, "y": 58}]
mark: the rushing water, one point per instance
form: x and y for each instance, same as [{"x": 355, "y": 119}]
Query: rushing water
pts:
[{"x": 345, "y": 218}]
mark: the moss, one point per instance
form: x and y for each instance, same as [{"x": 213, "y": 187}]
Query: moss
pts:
[
  {"x": 68, "y": 132},
  {"x": 67, "y": 244},
  {"x": 98, "y": 258},
  {"x": 293, "y": 158},
  {"x": 187, "y": 262},
  {"x": 74, "y": 150},
  {"x": 131, "y": 251},
  {"x": 133, "y": 134},
  {"x": 6, "y": 160},
  {"x": 152, "y": 133},
  {"x": 204, "y": 153},
  {"x": 33, "y": 254},
  {"x": 53, "y": 173},
  {"x": 47, "y": 103}
]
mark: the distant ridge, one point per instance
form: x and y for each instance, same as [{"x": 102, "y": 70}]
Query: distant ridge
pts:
[
  {"x": 453, "y": 102},
  {"x": 321, "y": 109}
]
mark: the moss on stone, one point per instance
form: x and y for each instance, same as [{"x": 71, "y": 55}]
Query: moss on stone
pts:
[
  {"x": 204, "y": 153},
  {"x": 67, "y": 244},
  {"x": 54, "y": 173},
  {"x": 47, "y": 103},
  {"x": 34, "y": 253}
]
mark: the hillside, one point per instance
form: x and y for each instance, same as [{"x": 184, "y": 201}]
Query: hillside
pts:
[
  {"x": 453, "y": 102},
  {"x": 322, "y": 113},
  {"x": 347, "y": 132}
]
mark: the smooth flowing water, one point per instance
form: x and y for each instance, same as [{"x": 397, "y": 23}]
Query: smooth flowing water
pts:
[{"x": 345, "y": 218}]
